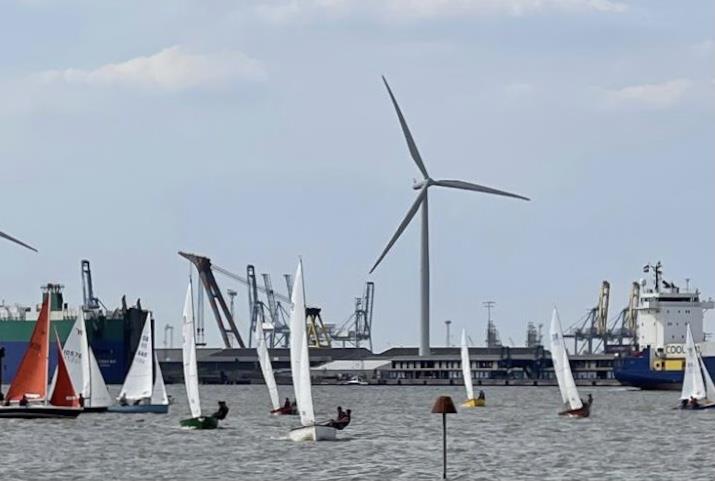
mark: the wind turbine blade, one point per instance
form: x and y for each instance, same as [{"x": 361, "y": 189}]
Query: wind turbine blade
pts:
[
  {"x": 408, "y": 136},
  {"x": 410, "y": 214},
  {"x": 458, "y": 184},
  {"x": 16, "y": 241}
]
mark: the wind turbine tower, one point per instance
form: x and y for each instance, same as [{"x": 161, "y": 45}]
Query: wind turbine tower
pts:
[{"x": 422, "y": 202}]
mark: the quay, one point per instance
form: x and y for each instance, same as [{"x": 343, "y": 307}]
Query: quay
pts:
[{"x": 503, "y": 366}]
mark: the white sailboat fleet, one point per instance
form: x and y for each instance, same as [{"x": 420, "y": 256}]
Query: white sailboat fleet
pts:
[
  {"x": 143, "y": 390},
  {"x": 574, "y": 406},
  {"x": 300, "y": 369},
  {"x": 471, "y": 401},
  {"x": 698, "y": 390},
  {"x": 83, "y": 369}
]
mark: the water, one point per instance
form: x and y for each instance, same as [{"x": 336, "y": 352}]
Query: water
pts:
[{"x": 630, "y": 435}]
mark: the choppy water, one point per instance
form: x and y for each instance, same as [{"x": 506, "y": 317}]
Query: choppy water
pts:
[{"x": 630, "y": 435}]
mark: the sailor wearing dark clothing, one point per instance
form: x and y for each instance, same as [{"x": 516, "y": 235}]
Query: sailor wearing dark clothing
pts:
[
  {"x": 222, "y": 411},
  {"x": 342, "y": 421},
  {"x": 24, "y": 401}
]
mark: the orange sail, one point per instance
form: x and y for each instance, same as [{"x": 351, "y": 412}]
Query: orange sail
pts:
[
  {"x": 31, "y": 377},
  {"x": 64, "y": 393}
]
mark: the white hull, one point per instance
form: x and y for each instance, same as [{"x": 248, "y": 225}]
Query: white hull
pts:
[{"x": 313, "y": 433}]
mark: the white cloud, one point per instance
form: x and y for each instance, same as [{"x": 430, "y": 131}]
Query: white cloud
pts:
[
  {"x": 170, "y": 69},
  {"x": 656, "y": 95},
  {"x": 281, "y": 11}
]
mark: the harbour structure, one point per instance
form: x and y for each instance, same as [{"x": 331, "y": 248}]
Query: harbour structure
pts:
[
  {"x": 113, "y": 333},
  {"x": 271, "y": 308},
  {"x": 421, "y": 203},
  {"x": 595, "y": 333},
  {"x": 662, "y": 314},
  {"x": 400, "y": 366}
]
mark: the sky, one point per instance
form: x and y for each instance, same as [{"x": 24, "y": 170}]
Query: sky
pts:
[{"x": 258, "y": 132}]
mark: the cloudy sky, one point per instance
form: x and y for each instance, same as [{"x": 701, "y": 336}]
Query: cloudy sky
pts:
[{"x": 255, "y": 132}]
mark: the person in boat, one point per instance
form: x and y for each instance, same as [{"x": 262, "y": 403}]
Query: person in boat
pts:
[
  {"x": 286, "y": 405},
  {"x": 481, "y": 396},
  {"x": 123, "y": 400},
  {"x": 81, "y": 400},
  {"x": 342, "y": 421},
  {"x": 222, "y": 411},
  {"x": 24, "y": 401},
  {"x": 683, "y": 404},
  {"x": 588, "y": 401},
  {"x": 694, "y": 402}
]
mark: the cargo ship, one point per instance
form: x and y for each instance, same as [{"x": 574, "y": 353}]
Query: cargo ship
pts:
[
  {"x": 113, "y": 334},
  {"x": 664, "y": 310}
]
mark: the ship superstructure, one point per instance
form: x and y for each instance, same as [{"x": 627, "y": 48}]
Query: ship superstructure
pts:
[{"x": 664, "y": 311}]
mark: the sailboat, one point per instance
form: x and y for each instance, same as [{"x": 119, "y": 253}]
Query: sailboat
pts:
[
  {"x": 698, "y": 389},
  {"x": 191, "y": 371},
  {"x": 27, "y": 396},
  {"x": 83, "y": 369},
  {"x": 143, "y": 390},
  {"x": 264, "y": 360},
  {"x": 471, "y": 401},
  {"x": 300, "y": 369},
  {"x": 574, "y": 407}
]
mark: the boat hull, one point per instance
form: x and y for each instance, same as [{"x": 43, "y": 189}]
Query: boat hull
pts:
[
  {"x": 97, "y": 409},
  {"x": 474, "y": 403},
  {"x": 313, "y": 433},
  {"x": 140, "y": 408},
  {"x": 284, "y": 412},
  {"x": 201, "y": 422},
  {"x": 38, "y": 412},
  {"x": 582, "y": 412}
]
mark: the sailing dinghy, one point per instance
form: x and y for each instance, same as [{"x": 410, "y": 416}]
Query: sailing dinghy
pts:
[
  {"x": 574, "y": 406},
  {"x": 300, "y": 369},
  {"x": 264, "y": 359},
  {"x": 191, "y": 372},
  {"x": 471, "y": 401},
  {"x": 143, "y": 390},
  {"x": 698, "y": 389},
  {"x": 27, "y": 396},
  {"x": 84, "y": 370}
]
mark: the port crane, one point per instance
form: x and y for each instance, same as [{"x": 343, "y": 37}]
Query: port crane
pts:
[
  {"x": 224, "y": 319},
  {"x": 358, "y": 326},
  {"x": 594, "y": 333}
]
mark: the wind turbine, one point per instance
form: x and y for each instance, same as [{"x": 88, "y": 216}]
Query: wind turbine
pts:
[
  {"x": 422, "y": 201},
  {"x": 16, "y": 241}
]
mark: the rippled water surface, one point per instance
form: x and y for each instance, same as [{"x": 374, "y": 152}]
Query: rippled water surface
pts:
[{"x": 630, "y": 435}]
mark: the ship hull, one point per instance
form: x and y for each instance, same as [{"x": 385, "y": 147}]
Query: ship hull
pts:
[{"x": 635, "y": 370}]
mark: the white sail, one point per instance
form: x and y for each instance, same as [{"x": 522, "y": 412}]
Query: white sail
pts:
[
  {"x": 76, "y": 351},
  {"x": 299, "y": 360},
  {"x": 264, "y": 359},
  {"x": 693, "y": 383},
  {"x": 709, "y": 386},
  {"x": 98, "y": 392},
  {"x": 562, "y": 367},
  {"x": 158, "y": 394},
  {"x": 139, "y": 383},
  {"x": 466, "y": 367},
  {"x": 191, "y": 373}
]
